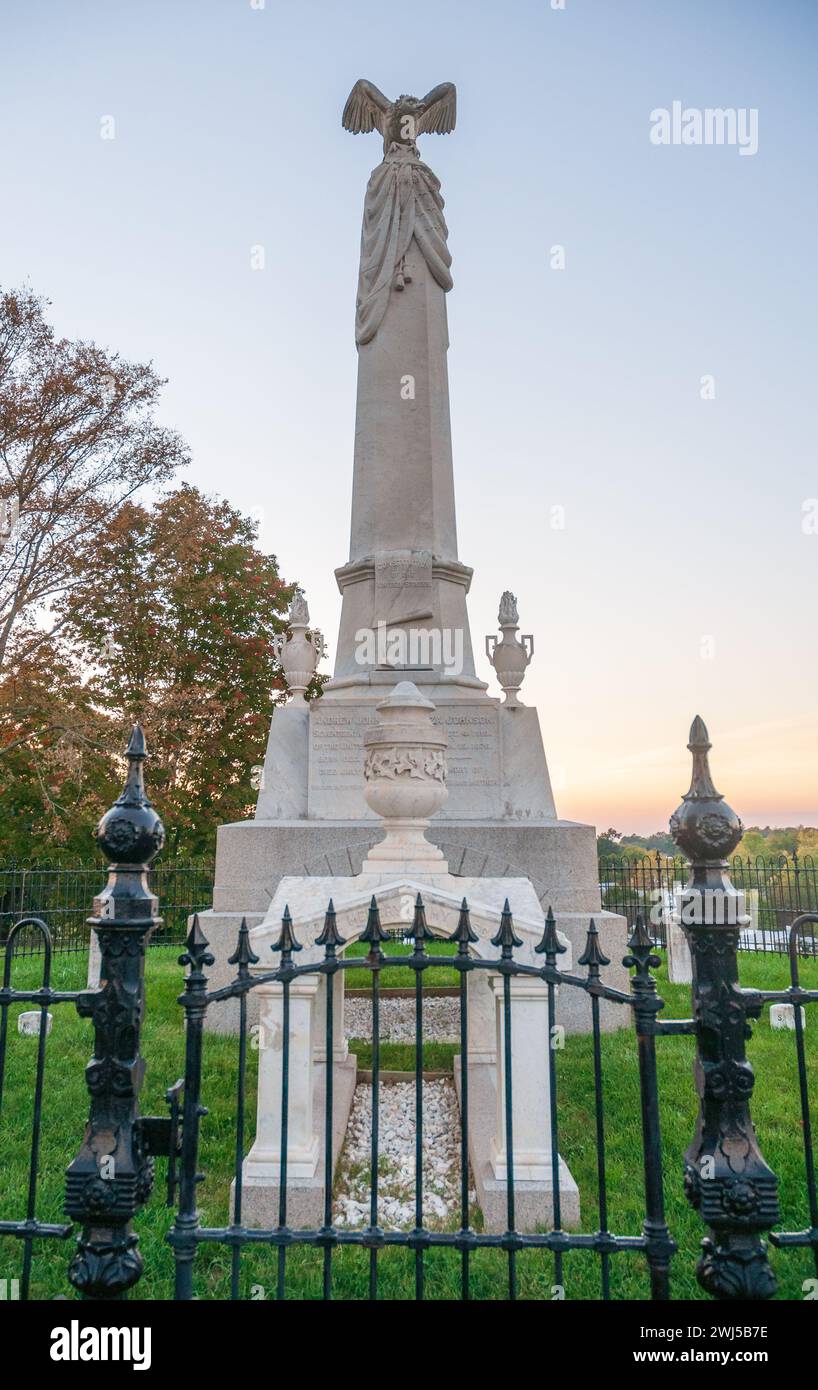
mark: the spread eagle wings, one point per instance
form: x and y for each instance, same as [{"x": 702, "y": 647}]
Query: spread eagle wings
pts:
[
  {"x": 367, "y": 106},
  {"x": 439, "y": 110},
  {"x": 365, "y": 109}
]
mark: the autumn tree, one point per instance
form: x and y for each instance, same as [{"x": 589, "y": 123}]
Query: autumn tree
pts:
[
  {"x": 57, "y": 773},
  {"x": 78, "y": 438},
  {"x": 114, "y": 608},
  {"x": 174, "y": 618}
]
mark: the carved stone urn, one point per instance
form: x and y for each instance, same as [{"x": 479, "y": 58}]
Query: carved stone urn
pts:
[
  {"x": 301, "y": 651},
  {"x": 405, "y": 775},
  {"x": 511, "y": 655}
]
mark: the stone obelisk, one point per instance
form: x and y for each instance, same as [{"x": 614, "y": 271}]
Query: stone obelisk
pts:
[
  {"x": 403, "y": 576},
  {"x": 404, "y": 593}
]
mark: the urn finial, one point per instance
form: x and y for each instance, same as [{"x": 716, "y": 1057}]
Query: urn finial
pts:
[
  {"x": 405, "y": 778},
  {"x": 511, "y": 655},
  {"x": 301, "y": 651}
]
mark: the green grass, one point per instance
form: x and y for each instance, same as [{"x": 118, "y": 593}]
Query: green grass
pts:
[
  {"x": 397, "y": 976},
  {"x": 775, "y": 1109},
  {"x": 437, "y": 1056}
]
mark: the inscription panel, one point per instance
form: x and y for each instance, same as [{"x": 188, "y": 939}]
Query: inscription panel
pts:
[
  {"x": 404, "y": 592},
  {"x": 337, "y": 757}
]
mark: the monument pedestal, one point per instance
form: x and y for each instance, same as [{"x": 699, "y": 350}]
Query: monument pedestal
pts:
[{"x": 558, "y": 857}]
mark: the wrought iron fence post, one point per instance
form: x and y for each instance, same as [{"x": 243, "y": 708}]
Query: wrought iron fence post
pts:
[
  {"x": 112, "y": 1175},
  {"x": 182, "y": 1237},
  {"x": 659, "y": 1244},
  {"x": 726, "y": 1177}
]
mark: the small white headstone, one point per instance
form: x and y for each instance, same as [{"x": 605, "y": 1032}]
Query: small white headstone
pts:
[
  {"x": 783, "y": 1016},
  {"x": 29, "y": 1022}
]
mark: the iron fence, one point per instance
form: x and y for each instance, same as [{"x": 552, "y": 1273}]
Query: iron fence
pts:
[
  {"x": 777, "y": 889},
  {"x": 727, "y": 1180},
  {"x": 653, "y": 1241},
  {"x": 60, "y": 893}
]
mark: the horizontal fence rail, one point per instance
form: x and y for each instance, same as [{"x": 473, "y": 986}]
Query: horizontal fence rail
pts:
[{"x": 60, "y": 892}]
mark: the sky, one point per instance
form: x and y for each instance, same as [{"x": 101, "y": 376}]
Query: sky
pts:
[{"x": 656, "y": 396}]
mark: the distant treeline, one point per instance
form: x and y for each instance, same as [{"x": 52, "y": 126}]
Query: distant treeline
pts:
[{"x": 767, "y": 842}]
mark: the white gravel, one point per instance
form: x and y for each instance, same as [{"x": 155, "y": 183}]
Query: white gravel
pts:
[
  {"x": 441, "y": 1019},
  {"x": 396, "y": 1166}
]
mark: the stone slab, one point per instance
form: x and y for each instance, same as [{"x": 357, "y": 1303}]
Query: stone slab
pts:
[
  {"x": 305, "y": 1196},
  {"x": 30, "y": 1023},
  {"x": 533, "y": 1201},
  {"x": 283, "y": 790},
  {"x": 558, "y": 856},
  {"x": 573, "y": 1005},
  {"x": 781, "y": 1016},
  {"x": 679, "y": 960}
]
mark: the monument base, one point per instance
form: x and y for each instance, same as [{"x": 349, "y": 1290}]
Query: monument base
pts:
[
  {"x": 533, "y": 1201},
  {"x": 558, "y": 856}
]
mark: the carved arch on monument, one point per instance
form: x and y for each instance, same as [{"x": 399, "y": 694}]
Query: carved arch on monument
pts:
[{"x": 465, "y": 861}]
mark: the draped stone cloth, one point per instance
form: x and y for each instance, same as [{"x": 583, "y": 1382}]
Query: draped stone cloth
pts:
[{"x": 402, "y": 201}]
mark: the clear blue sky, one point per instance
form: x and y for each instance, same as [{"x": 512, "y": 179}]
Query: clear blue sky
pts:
[{"x": 578, "y": 388}]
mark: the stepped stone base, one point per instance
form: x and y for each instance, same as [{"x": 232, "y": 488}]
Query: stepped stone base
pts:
[{"x": 559, "y": 857}]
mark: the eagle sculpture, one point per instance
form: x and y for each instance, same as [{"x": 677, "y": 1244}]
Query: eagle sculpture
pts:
[{"x": 399, "y": 122}]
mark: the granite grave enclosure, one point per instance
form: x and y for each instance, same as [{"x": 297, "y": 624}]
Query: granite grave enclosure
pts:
[{"x": 404, "y": 613}]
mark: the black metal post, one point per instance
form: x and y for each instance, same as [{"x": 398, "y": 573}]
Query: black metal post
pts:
[
  {"x": 659, "y": 1246},
  {"x": 182, "y": 1238},
  {"x": 726, "y": 1177},
  {"x": 112, "y": 1175}
]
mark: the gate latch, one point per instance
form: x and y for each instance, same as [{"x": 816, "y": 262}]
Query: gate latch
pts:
[{"x": 162, "y": 1135}]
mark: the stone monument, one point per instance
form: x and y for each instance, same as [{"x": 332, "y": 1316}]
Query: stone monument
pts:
[
  {"x": 405, "y": 783},
  {"x": 404, "y": 612}
]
